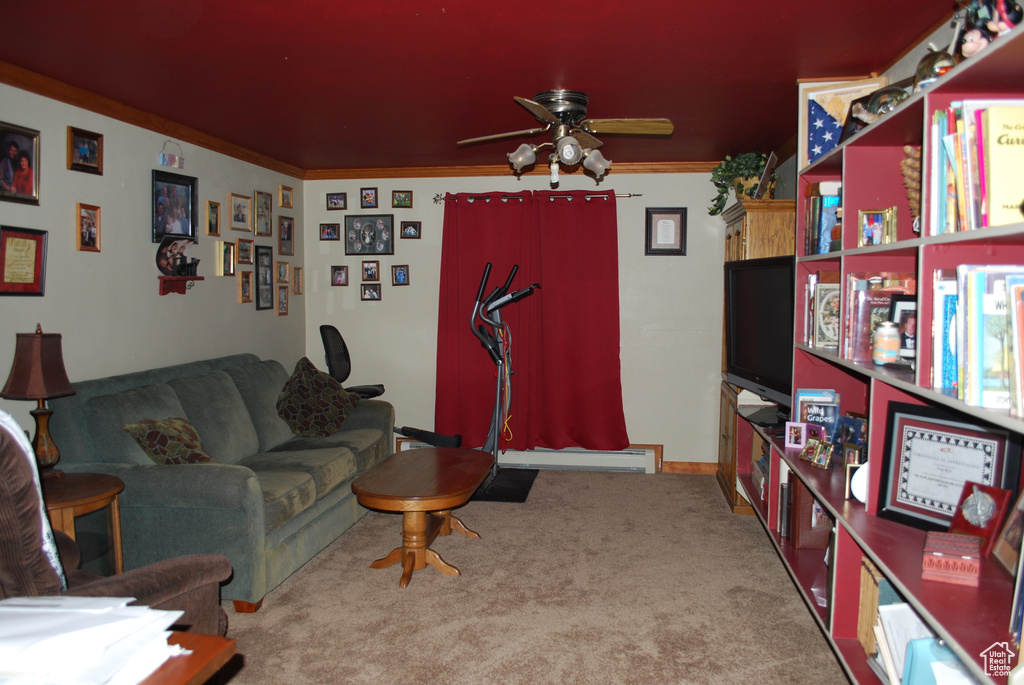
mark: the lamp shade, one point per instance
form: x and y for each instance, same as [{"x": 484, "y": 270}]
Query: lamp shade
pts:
[{"x": 37, "y": 372}]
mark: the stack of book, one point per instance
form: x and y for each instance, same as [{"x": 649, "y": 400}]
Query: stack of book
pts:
[
  {"x": 973, "y": 175},
  {"x": 817, "y": 407},
  {"x": 868, "y": 301},
  {"x": 823, "y": 229}
]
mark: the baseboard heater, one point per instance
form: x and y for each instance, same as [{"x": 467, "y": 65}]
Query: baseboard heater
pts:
[{"x": 634, "y": 459}]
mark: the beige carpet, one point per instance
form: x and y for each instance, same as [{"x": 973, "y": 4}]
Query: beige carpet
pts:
[{"x": 599, "y": 578}]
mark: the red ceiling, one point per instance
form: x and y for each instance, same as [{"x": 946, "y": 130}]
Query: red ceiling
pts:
[{"x": 327, "y": 84}]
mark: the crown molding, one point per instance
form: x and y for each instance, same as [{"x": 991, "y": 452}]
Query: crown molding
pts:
[{"x": 501, "y": 170}]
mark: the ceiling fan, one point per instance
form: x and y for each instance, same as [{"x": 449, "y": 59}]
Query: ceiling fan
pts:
[{"x": 564, "y": 112}]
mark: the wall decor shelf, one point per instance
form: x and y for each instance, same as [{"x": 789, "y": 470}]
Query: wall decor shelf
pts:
[
  {"x": 177, "y": 284},
  {"x": 969, "y": 620}
]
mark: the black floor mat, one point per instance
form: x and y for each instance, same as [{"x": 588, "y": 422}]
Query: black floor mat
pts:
[{"x": 510, "y": 485}]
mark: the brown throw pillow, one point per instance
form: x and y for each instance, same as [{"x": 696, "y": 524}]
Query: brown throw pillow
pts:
[
  {"x": 169, "y": 441},
  {"x": 312, "y": 403}
]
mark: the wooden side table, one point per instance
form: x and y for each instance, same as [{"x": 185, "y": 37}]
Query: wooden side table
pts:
[
  {"x": 76, "y": 494},
  {"x": 209, "y": 654}
]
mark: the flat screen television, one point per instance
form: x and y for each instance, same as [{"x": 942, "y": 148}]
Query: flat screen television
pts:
[{"x": 759, "y": 328}]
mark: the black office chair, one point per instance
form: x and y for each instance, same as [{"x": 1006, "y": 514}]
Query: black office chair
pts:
[{"x": 339, "y": 364}]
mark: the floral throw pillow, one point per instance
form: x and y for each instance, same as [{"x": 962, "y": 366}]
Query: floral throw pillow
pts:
[
  {"x": 169, "y": 441},
  {"x": 312, "y": 403}
]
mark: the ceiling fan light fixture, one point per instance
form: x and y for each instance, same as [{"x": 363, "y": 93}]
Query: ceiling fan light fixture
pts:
[
  {"x": 569, "y": 150},
  {"x": 524, "y": 156},
  {"x": 595, "y": 162}
]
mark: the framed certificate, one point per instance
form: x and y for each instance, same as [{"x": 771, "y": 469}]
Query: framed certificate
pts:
[{"x": 930, "y": 453}]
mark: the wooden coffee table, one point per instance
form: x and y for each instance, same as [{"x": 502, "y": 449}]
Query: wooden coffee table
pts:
[{"x": 425, "y": 485}]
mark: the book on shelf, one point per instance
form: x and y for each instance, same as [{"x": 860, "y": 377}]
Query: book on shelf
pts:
[
  {"x": 784, "y": 500},
  {"x": 1015, "y": 307},
  {"x": 1003, "y": 151},
  {"x": 868, "y": 298},
  {"x": 944, "y": 303},
  {"x": 875, "y": 590},
  {"x": 897, "y": 625}
]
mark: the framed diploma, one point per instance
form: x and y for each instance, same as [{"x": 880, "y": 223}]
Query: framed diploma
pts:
[
  {"x": 666, "y": 231},
  {"x": 930, "y": 453},
  {"x": 22, "y": 261}
]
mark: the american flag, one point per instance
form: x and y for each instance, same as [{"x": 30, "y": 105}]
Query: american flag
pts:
[{"x": 822, "y": 131}]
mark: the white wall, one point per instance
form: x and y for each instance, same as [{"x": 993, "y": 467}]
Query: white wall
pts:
[
  {"x": 106, "y": 304},
  {"x": 671, "y": 307}
]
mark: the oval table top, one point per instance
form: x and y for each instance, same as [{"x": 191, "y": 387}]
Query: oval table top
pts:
[{"x": 428, "y": 479}]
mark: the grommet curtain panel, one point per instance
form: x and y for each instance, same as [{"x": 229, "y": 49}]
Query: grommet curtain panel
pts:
[{"x": 566, "y": 387}]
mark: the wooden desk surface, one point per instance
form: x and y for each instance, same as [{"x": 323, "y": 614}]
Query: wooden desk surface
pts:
[
  {"x": 209, "y": 654},
  {"x": 428, "y": 479}
]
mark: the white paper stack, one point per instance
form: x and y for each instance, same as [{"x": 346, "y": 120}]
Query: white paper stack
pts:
[{"x": 82, "y": 641}]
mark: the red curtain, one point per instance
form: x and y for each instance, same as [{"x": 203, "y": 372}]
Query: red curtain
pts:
[{"x": 564, "y": 341}]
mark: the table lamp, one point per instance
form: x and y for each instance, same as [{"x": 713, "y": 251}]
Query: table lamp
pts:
[{"x": 37, "y": 373}]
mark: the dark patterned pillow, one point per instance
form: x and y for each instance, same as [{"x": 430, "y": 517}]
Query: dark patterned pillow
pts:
[
  {"x": 314, "y": 404},
  {"x": 169, "y": 441}
]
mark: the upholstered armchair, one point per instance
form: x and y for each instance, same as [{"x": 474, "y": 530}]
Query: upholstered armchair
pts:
[{"x": 35, "y": 560}]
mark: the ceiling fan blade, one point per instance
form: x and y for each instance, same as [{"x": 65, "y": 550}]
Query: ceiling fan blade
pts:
[
  {"x": 585, "y": 140},
  {"x": 538, "y": 110},
  {"x": 637, "y": 127},
  {"x": 500, "y": 136}
]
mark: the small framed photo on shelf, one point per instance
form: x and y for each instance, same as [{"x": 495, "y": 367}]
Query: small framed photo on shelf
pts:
[
  {"x": 22, "y": 261},
  {"x": 336, "y": 201},
  {"x": 411, "y": 230},
  {"x": 1008, "y": 545},
  {"x": 19, "y": 162},
  {"x": 284, "y": 196},
  {"x": 401, "y": 199},
  {"x": 339, "y": 275},
  {"x": 849, "y": 429},
  {"x": 903, "y": 313},
  {"x": 816, "y": 432},
  {"x": 666, "y": 231},
  {"x": 810, "y": 449},
  {"x": 264, "y": 213},
  {"x": 241, "y": 212},
  {"x": 400, "y": 274},
  {"x": 213, "y": 218},
  {"x": 244, "y": 250},
  {"x": 796, "y": 434},
  {"x": 88, "y": 227},
  {"x": 245, "y": 287},
  {"x": 369, "y": 291},
  {"x": 368, "y": 198},
  {"x": 175, "y": 206},
  {"x": 330, "y": 231},
  {"x": 282, "y": 300},
  {"x": 85, "y": 151},
  {"x": 930, "y": 453},
  {"x": 371, "y": 270},
  {"x": 227, "y": 258}
]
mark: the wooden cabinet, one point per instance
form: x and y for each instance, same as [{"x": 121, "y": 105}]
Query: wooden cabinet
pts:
[
  {"x": 759, "y": 228},
  {"x": 726, "y": 473},
  {"x": 969, "y": 620}
]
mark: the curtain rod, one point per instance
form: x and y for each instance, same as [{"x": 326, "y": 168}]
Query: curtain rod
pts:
[{"x": 439, "y": 198}]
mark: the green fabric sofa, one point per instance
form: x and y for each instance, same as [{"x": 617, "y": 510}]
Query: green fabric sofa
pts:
[{"x": 271, "y": 501}]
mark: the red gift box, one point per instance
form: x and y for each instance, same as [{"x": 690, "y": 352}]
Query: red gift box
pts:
[{"x": 952, "y": 558}]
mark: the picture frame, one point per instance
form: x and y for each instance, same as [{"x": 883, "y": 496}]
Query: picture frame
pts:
[
  {"x": 87, "y": 225},
  {"x": 336, "y": 201},
  {"x": 400, "y": 274},
  {"x": 833, "y": 98},
  {"x": 853, "y": 454},
  {"x": 876, "y": 227},
  {"x": 903, "y": 313},
  {"x": 796, "y": 434},
  {"x": 19, "y": 164},
  {"x": 175, "y": 206},
  {"x": 212, "y": 218},
  {"x": 816, "y": 432},
  {"x": 401, "y": 199},
  {"x": 849, "y": 429},
  {"x": 810, "y": 449},
  {"x": 369, "y": 291},
  {"x": 930, "y": 453},
  {"x": 665, "y": 231},
  {"x": 264, "y": 214},
  {"x": 244, "y": 287},
  {"x": 330, "y": 231},
  {"x": 227, "y": 258},
  {"x": 244, "y": 250},
  {"x": 368, "y": 198},
  {"x": 851, "y": 471},
  {"x": 170, "y": 254},
  {"x": 22, "y": 261},
  {"x": 298, "y": 285},
  {"x": 282, "y": 300},
  {"x": 281, "y": 272},
  {"x": 371, "y": 270},
  {"x": 264, "y": 277},
  {"x": 240, "y": 207},
  {"x": 286, "y": 236},
  {"x": 411, "y": 230},
  {"x": 370, "y": 234},
  {"x": 285, "y": 196},
  {"x": 1008, "y": 544},
  {"x": 339, "y": 275},
  {"x": 85, "y": 151}
]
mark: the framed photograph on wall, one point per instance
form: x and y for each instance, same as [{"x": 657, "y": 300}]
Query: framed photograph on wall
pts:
[
  {"x": 284, "y": 196},
  {"x": 666, "y": 231},
  {"x": 244, "y": 287},
  {"x": 368, "y": 198},
  {"x": 240, "y": 207},
  {"x": 401, "y": 199},
  {"x": 285, "y": 232},
  {"x": 930, "y": 453},
  {"x": 337, "y": 201},
  {"x": 264, "y": 214},
  {"x": 244, "y": 250},
  {"x": 282, "y": 300},
  {"x": 227, "y": 258},
  {"x": 88, "y": 227},
  {"x": 19, "y": 164},
  {"x": 175, "y": 206},
  {"x": 85, "y": 151},
  {"x": 298, "y": 285},
  {"x": 264, "y": 277},
  {"x": 400, "y": 274},
  {"x": 369, "y": 291},
  {"x": 370, "y": 235},
  {"x": 330, "y": 231},
  {"x": 213, "y": 218},
  {"x": 339, "y": 275},
  {"x": 411, "y": 230},
  {"x": 281, "y": 272},
  {"x": 22, "y": 261},
  {"x": 371, "y": 270}
]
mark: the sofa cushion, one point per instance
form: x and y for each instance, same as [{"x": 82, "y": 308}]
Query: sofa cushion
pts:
[
  {"x": 314, "y": 404},
  {"x": 285, "y": 495},
  {"x": 214, "y": 406},
  {"x": 367, "y": 444},
  {"x": 260, "y": 385},
  {"x": 169, "y": 441},
  {"x": 108, "y": 414},
  {"x": 328, "y": 467}
]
